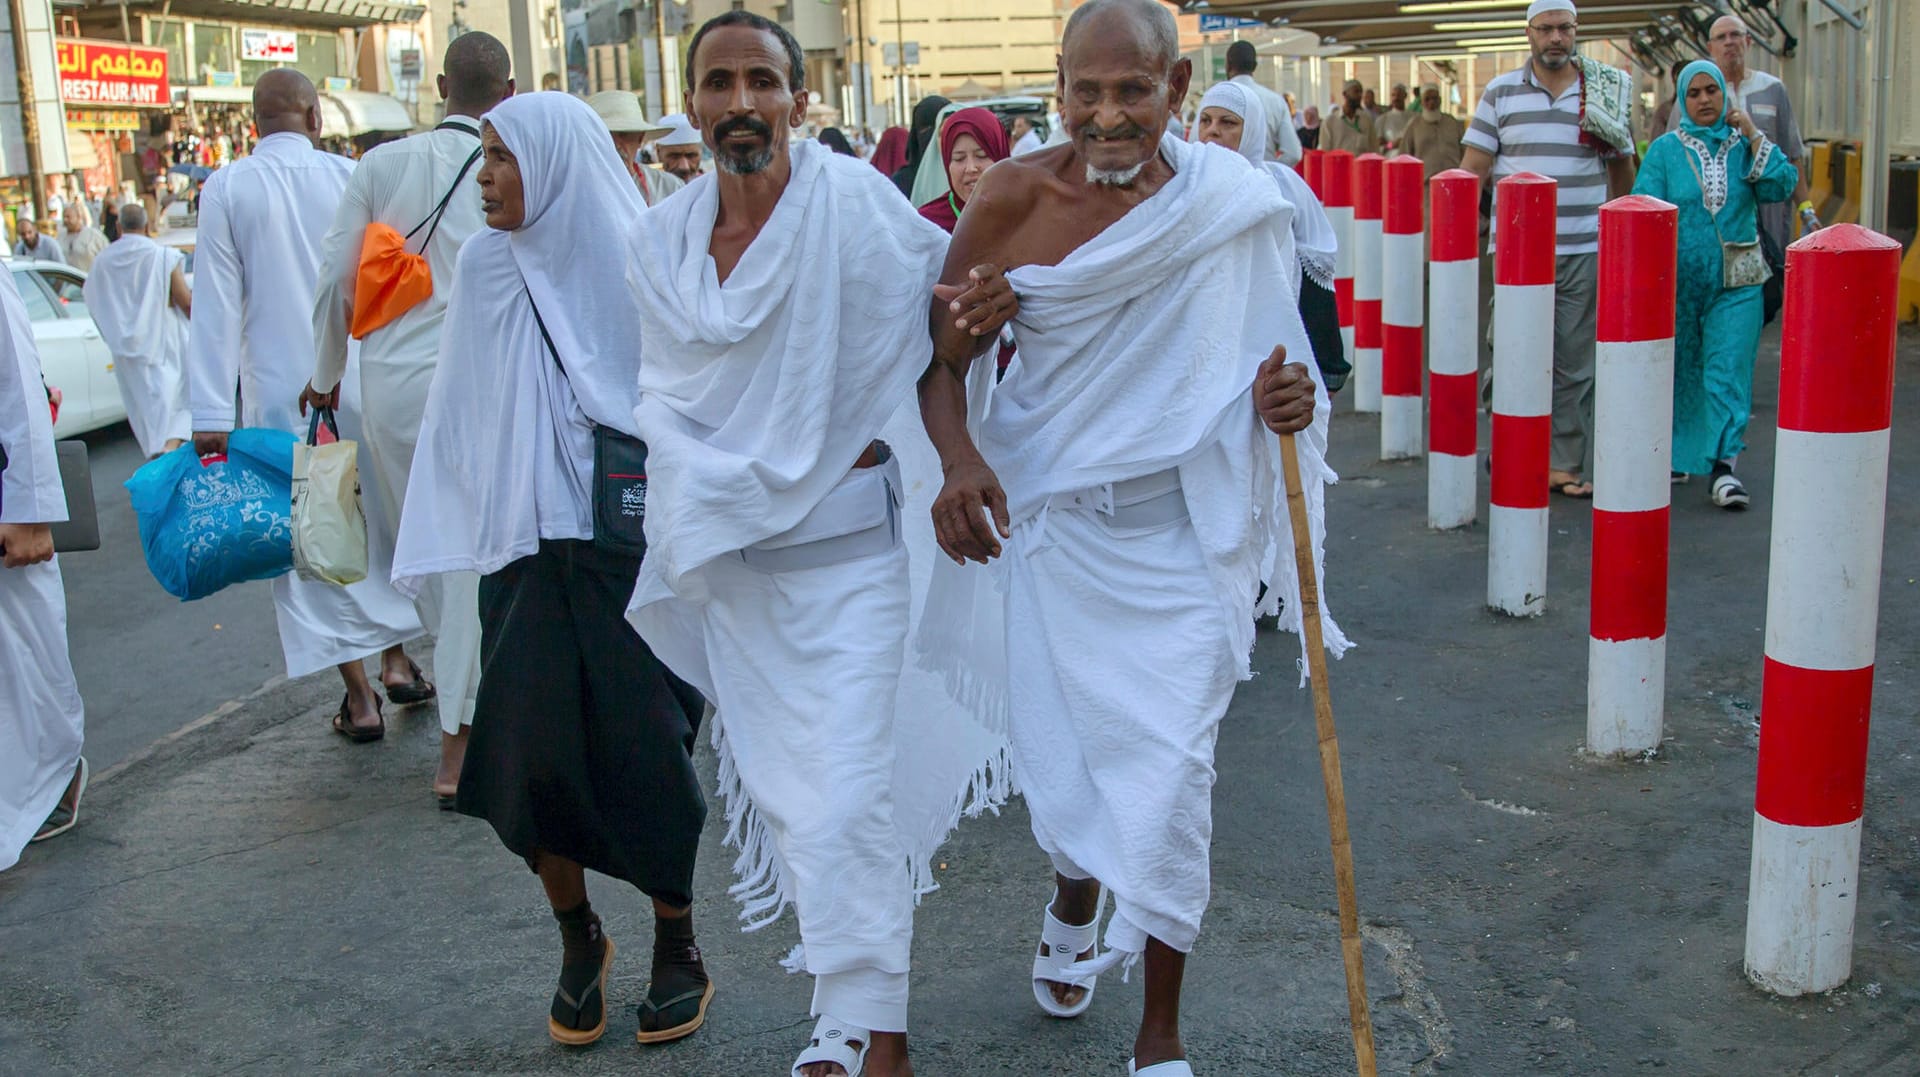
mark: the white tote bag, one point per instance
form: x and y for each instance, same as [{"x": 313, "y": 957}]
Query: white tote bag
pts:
[{"x": 329, "y": 526}]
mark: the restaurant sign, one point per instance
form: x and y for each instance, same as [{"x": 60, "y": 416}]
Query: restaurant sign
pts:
[
  {"x": 111, "y": 73},
  {"x": 269, "y": 46}
]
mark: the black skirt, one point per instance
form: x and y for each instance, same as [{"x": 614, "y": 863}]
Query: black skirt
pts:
[{"x": 582, "y": 742}]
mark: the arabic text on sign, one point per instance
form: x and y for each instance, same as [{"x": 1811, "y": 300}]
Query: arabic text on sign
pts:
[{"x": 108, "y": 73}]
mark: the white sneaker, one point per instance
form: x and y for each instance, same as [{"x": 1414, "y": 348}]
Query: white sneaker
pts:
[{"x": 1729, "y": 493}]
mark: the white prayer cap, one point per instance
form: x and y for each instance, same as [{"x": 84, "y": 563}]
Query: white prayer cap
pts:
[
  {"x": 620, "y": 111},
  {"x": 1541, "y": 7},
  {"x": 679, "y": 131}
]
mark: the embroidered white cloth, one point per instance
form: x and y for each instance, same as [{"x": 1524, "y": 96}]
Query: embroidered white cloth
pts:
[
  {"x": 1138, "y": 353},
  {"x": 757, "y": 396},
  {"x": 129, "y": 293},
  {"x": 41, "y": 717},
  {"x": 1313, "y": 238},
  {"x": 505, "y": 457},
  {"x": 256, "y": 271}
]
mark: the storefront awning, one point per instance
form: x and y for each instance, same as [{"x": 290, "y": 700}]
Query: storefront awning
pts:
[
  {"x": 328, "y": 14},
  {"x": 356, "y": 112}
]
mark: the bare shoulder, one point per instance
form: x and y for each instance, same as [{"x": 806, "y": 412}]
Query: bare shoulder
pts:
[{"x": 1014, "y": 189}]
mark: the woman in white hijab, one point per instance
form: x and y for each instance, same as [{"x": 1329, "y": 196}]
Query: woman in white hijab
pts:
[
  {"x": 1231, "y": 118},
  {"x": 582, "y": 741}
]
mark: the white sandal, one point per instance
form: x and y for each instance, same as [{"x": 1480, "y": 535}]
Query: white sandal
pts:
[
  {"x": 1056, "y": 961},
  {"x": 833, "y": 1043},
  {"x": 79, "y": 784},
  {"x": 1176, "y": 1068}
]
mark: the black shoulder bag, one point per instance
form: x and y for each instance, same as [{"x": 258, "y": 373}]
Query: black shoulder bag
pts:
[{"x": 619, "y": 475}]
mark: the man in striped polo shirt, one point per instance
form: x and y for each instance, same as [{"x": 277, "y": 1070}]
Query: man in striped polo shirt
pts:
[{"x": 1529, "y": 120}]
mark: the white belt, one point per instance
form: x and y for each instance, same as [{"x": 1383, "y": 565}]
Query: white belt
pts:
[
  {"x": 858, "y": 518},
  {"x": 1149, "y": 501}
]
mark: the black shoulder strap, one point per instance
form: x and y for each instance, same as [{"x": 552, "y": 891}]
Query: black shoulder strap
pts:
[
  {"x": 544, "y": 335},
  {"x": 441, "y": 209}
]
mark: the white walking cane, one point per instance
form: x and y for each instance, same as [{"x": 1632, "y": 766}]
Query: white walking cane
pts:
[{"x": 1329, "y": 761}]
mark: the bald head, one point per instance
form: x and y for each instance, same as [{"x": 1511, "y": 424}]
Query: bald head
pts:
[
  {"x": 133, "y": 219},
  {"x": 1727, "y": 41},
  {"x": 476, "y": 74},
  {"x": 1146, "y": 23},
  {"x": 285, "y": 100}
]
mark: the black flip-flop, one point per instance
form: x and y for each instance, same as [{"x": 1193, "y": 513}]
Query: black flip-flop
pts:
[
  {"x": 420, "y": 690},
  {"x": 343, "y": 722}
]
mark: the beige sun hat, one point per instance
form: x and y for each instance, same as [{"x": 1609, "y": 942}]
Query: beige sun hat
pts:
[{"x": 620, "y": 111}]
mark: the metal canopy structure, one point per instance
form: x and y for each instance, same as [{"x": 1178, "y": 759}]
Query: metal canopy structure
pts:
[
  {"x": 318, "y": 14},
  {"x": 1465, "y": 26}
]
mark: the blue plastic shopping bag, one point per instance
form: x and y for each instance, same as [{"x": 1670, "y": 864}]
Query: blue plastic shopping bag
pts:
[{"x": 209, "y": 527}]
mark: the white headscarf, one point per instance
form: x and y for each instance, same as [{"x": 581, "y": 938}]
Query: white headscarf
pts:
[
  {"x": 1312, "y": 232},
  {"x": 506, "y": 448}
]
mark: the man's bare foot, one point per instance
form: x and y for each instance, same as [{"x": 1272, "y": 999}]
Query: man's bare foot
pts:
[
  {"x": 62, "y": 817},
  {"x": 1075, "y": 902},
  {"x": 1567, "y": 484},
  {"x": 1153, "y": 1050},
  {"x": 453, "y": 754},
  {"x": 886, "y": 1058},
  {"x": 363, "y": 712}
]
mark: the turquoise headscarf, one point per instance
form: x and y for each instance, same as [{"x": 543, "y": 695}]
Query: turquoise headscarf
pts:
[{"x": 1718, "y": 131}]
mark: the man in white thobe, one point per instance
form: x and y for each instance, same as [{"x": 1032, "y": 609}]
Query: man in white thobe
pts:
[
  {"x": 1140, "y": 500},
  {"x": 41, "y": 772},
  {"x": 1283, "y": 142},
  {"x": 81, "y": 242},
  {"x": 256, "y": 275},
  {"x": 679, "y": 150},
  {"x": 137, "y": 293},
  {"x": 776, "y": 579},
  {"x": 426, "y": 185}
]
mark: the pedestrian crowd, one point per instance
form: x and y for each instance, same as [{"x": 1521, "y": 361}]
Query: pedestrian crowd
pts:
[{"x": 676, "y": 429}]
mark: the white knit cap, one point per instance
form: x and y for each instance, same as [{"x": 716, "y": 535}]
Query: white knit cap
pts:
[
  {"x": 682, "y": 133},
  {"x": 1541, "y": 7}
]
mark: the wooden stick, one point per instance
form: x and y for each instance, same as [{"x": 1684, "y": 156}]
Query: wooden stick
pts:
[{"x": 1329, "y": 760}]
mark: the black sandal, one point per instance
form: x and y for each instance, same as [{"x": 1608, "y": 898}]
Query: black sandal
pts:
[
  {"x": 676, "y": 1002},
  {"x": 343, "y": 722},
  {"x": 579, "y": 1013},
  {"x": 419, "y": 690}
]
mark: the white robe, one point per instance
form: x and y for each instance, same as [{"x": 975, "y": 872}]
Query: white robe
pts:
[
  {"x": 130, "y": 295},
  {"x": 256, "y": 272},
  {"x": 841, "y": 776},
  {"x": 399, "y": 184},
  {"x": 1120, "y": 649},
  {"x": 41, "y": 718}
]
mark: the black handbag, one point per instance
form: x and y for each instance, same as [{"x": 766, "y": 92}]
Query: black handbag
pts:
[
  {"x": 1774, "y": 292},
  {"x": 619, "y": 475}
]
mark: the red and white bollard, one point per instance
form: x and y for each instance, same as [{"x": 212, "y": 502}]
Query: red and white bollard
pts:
[
  {"x": 1523, "y": 275},
  {"x": 1823, "y": 606},
  {"x": 1369, "y": 180},
  {"x": 1633, "y": 458},
  {"x": 1453, "y": 352},
  {"x": 1336, "y": 177},
  {"x": 1312, "y": 167},
  {"x": 1403, "y": 306}
]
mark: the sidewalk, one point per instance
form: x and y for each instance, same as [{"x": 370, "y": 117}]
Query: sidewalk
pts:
[{"x": 259, "y": 896}]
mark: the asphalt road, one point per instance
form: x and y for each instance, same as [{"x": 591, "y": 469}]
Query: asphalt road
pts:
[{"x": 146, "y": 662}]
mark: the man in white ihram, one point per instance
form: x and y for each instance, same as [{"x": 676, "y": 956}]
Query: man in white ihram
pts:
[
  {"x": 423, "y": 184},
  {"x": 776, "y": 579},
  {"x": 1140, "y": 501},
  {"x": 137, "y": 293},
  {"x": 42, "y": 775},
  {"x": 256, "y": 272}
]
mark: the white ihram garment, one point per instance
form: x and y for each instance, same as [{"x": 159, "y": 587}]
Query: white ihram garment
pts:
[
  {"x": 399, "y": 184},
  {"x": 256, "y": 272},
  {"x": 1122, "y": 646},
  {"x": 757, "y": 396},
  {"x": 130, "y": 295},
  {"x": 41, "y": 718}
]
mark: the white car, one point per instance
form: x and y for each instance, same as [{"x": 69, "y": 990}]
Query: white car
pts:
[{"x": 73, "y": 358}]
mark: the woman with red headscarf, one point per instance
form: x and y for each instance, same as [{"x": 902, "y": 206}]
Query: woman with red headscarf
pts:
[
  {"x": 971, "y": 142},
  {"x": 891, "y": 153}
]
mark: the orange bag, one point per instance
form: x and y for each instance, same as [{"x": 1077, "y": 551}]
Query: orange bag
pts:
[{"x": 391, "y": 280}]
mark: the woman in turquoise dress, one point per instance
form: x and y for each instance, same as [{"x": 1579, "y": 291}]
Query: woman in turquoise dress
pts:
[{"x": 1718, "y": 168}]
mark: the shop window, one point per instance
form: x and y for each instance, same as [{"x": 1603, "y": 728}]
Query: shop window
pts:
[
  {"x": 213, "y": 50},
  {"x": 316, "y": 56},
  {"x": 171, "y": 34}
]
